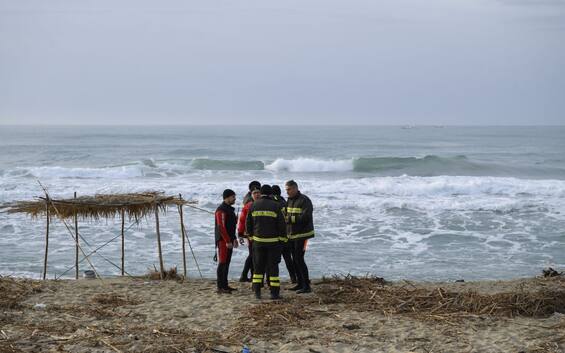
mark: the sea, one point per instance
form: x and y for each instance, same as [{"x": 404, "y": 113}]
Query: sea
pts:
[{"x": 400, "y": 202}]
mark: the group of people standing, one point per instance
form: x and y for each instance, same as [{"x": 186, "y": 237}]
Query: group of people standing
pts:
[{"x": 273, "y": 228}]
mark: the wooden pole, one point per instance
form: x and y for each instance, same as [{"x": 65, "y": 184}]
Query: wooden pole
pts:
[
  {"x": 123, "y": 242},
  {"x": 46, "y": 240},
  {"x": 50, "y": 201},
  {"x": 76, "y": 242},
  {"x": 161, "y": 265},
  {"x": 182, "y": 232}
]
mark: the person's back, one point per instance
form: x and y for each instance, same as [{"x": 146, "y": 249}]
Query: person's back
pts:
[
  {"x": 266, "y": 227},
  {"x": 287, "y": 248},
  {"x": 277, "y": 195}
]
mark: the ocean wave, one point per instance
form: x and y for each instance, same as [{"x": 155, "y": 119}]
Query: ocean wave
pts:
[
  {"x": 119, "y": 172},
  {"x": 430, "y": 165},
  {"x": 216, "y": 164},
  {"x": 310, "y": 165}
]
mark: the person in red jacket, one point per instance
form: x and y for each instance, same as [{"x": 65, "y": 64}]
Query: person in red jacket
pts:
[
  {"x": 225, "y": 224},
  {"x": 242, "y": 234}
]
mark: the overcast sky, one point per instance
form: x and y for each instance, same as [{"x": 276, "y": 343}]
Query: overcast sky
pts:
[{"x": 282, "y": 62}]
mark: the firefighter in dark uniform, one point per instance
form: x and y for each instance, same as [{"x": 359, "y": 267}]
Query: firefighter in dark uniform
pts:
[
  {"x": 286, "y": 248},
  {"x": 300, "y": 228},
  {"x": 266, "y": 226},
  {"x": 225, "y": 224}
]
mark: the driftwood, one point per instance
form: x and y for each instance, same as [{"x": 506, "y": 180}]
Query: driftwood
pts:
[{"x": 373, "y": 294}]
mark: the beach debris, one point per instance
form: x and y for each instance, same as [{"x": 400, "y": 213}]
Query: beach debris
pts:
[
  {"x": 89, "y": 274},
  {"x": 272, "y": 319},
  {"x": 39, "y": 306},
  {"x": 170, "y": 274},
  {"x": 550, "y": 272},
  {"x": 15, "y": 290},
  {"x": 351, "y": 326},
  {"x": 114, "y": 299},
  {"x": 364, "y": 294}
]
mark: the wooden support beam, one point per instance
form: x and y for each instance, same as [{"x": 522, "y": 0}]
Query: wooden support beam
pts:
[
  {"x": 161, "y": 265},
  {"x": 182, "y": 234},
  {"x": 123, "y": 243},
  {"x": 76, "y": 243},
  {"x": 46, "y": 241}
]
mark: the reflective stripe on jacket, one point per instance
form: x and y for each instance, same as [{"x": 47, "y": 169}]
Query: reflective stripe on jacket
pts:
[
  {"x": 299, "y": 220},
  {"x": 265, "y": 223}
]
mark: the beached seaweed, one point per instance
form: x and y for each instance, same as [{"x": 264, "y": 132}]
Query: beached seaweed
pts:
[
  {"x": 271, "y": 319},
  {"x": 170, "y": 274},
  {"x": 114, "y": 299},
  {"x": 366, "y": 294},
  {"x": 15, "y": 290}
]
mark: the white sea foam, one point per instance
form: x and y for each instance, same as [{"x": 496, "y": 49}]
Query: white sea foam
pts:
[{"x": 310, "y": 165}]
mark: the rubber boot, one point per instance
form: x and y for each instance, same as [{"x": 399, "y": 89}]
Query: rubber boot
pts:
[
  {"x": 306, "y": 289},
  {"x": 257, "y": 290},
  {"x": 275, "y": 293}
]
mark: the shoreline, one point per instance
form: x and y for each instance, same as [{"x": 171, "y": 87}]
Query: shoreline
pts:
[{"x": 343, "y": 314}]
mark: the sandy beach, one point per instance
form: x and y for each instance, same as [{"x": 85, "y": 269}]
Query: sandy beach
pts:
[{"x": 341, "y": 315}]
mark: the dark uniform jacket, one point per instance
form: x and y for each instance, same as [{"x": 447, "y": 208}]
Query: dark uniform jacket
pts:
[
  {"x": 300, "y": 223},
  {"x": 280, "y": 200},
  {"x": 226, "y": 222},
  {"x": 265, "y": 222}
]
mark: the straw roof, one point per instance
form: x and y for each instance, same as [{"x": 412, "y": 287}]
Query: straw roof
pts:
[{"x": 134, "y": 205}]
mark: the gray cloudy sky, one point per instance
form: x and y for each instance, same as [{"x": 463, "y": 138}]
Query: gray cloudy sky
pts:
[{"x": 282, "y": 62}]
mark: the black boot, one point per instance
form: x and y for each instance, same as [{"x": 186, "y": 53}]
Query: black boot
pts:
[
  {"x": 296, "y": 287},
  {"x": 246, "y": 268},
  {"x": 275, "y": 293},
  {"x": 306, "y": 289},
  {"x": 257, "y": 290}
]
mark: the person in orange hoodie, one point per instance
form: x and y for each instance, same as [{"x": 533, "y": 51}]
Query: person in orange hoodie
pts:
[{"x": 242, "y": 234}]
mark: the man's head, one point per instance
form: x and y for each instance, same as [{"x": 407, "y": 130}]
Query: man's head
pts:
[
  {"x": 291, "y": 188},
  {"x": 266, "y": 190},
  {"x": 254, "y": 185},
  {"x": 229, "y": 196},
  {"x": 276, "y": 190},
  {"x": 256, "y": 194}
]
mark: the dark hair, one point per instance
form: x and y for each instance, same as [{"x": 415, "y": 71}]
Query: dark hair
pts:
[
  {"x": 276, "y": 190},
  {"x": 227, "y": 193},
  {"x": 266, "y": 190},
  {"x": 254, "y": 185},
  {"x": 291, "y": 183}
]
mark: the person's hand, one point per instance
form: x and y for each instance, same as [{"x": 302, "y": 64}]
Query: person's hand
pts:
[
  {"x": 235, "y": 244},
  {"x": 229, "y": 245}
]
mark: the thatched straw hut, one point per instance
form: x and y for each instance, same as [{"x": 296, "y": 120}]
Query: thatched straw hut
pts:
[{"x": 134, "y": 206}]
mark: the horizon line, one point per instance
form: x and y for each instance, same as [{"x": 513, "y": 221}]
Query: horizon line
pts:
[{"x": 277, "y": 125}]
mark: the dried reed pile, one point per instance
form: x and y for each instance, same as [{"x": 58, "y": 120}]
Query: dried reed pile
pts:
[
  {"x": 15, "y": 290},
  {"x": 271, "y": 319},
  {"x": 368, "y": 294},
  {"x": 170, "y": 274}
]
